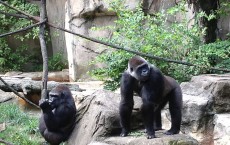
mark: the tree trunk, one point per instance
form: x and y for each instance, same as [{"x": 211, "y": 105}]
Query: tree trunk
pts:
[
  {"x": 208, "y": 6},
  {"x": 43, "y": 17}
]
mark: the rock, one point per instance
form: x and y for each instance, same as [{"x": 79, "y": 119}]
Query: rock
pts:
[
  {"x": 98, "y": 116},
  {"x": 97, "y": 143},
  {"x": 59, "y": 76},
  {"x": 98, "y": 122},
  {"x": 210, "y": 87},
  {"x": 32, "y": 89},
  {"x": 179, "y": 139},
  {"x": 26, "y": 85},
  {"x": 6, "y": 96},
  {"x": 222, "y": 129},
  {"x": 203, "y": 97},
  {"x": 205, "y": 116},
  {"x": 89, "y": 8}
]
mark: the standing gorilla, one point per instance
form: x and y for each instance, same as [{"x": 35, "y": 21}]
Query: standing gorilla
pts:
[
  {"x": 58, "y": 115},
  {"x": 156, "y": 90}
]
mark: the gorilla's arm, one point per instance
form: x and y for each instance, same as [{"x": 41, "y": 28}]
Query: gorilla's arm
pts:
[
  {"x": 126, "y": 104},
  {"x": 58, "y": 117}
]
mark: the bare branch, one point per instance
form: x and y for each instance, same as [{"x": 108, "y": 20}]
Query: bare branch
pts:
[
  {"x": 21, "y": 12},
  {"x": 14, "y": 15},
  {"x": 5, "y": 142},
  {"x": 19, "y": 95},
  {"x": 5, "y": 100},
  {"x": 43, "y": 17},
  {"x": 23, "y": 29}
]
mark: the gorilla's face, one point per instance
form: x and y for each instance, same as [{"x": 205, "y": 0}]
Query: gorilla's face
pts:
[
  {"x": 54, "y": 100},
  {"x": 141, "y": 73},
  {"x": 139, "y": 68}
]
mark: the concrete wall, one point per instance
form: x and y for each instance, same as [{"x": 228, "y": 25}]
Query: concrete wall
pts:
[{"x": 56, "y": 15}]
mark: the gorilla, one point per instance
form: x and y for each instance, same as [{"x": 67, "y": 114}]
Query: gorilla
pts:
[
  {"x": 58, "y": 115},
  {"x": 156, "y": 90}
]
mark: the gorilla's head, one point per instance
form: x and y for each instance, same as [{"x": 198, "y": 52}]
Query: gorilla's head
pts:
[
  {"x": 58, "y": 95},
  {"x": 139, "y": 68}
]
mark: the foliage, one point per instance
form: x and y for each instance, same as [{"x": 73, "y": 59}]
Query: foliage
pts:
[
  {"x": 224, "y": 8},
  {"x": 159, "y": 35},
  {"x": 12, "y": 60},
  {"x": 137, "y": 133},
  {"x": 56, "y": 62},
  {"x": 15, "y": 59},
  {"x": 20, "y": 127}
]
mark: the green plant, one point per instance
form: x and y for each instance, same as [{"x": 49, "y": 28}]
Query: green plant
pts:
[
  {"x": 11, "y": 59},
  {"x": 157, "y": 36},
  {"x": 56, "y": 62},
  {"x": 20, "y": 127},
  {"x": 137, "y": 133}
]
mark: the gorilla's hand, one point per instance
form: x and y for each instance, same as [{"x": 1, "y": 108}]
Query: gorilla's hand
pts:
[{"x": 44, "y": 104}]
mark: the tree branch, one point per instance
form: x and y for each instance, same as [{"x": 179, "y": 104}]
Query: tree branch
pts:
[
  {"x": 23, "y": 29},
  {"x": 5, "y": 142},
  {"x": 14, "y": 15},
  {"x": 43, "y": 17},
  {"x": 5, "y": 100},
  {"x": 21, "y": 12},
  {"x": 16, "y": 93}
]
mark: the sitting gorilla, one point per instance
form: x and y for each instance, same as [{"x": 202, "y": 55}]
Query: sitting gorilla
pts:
[{"x": 58, "y": 115}]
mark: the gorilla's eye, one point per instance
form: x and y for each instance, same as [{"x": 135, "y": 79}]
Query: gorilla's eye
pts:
[{"x": 131, "y": 69}]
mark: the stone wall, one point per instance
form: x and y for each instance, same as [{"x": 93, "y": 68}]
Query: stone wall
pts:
[{"x": 56, "y": 15}]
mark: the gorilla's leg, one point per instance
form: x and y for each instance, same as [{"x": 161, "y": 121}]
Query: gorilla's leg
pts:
[
  {"x": 126, "y": 103},
  {"x": 54, "y": 138},
  {"x": 175, "y": 106},
  {"x": 148, "y": 118},
  {"x": 42, "y": 126},
  {"x": 157, "y": 120},
  {"x": 125, "y": 117}
]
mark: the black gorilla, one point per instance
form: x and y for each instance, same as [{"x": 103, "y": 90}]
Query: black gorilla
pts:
[
  {"x": 156, "y": 90},
  {"x": 58, "y": 115}
]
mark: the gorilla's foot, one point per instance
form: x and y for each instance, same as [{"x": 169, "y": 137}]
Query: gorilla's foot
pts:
[
  {"x": 150, "y": 136},
  {"x": 124, "y": 133},
  {"x": 157, "y": 128},
  {"x": 171, "y": 132}
]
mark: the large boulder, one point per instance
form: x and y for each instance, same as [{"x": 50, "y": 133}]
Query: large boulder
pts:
[
  {"x": 98, "y": 124},
  {"x": 179, "y": 139},
  {"x": 221, "y": 129},
  {"x": 204, "y": 97}
]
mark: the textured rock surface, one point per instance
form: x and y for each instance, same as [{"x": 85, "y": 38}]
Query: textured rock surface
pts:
[
  {"x": 98, "y": 122},
  {"x": 179, "y": 139},
  {"x": 205, "y": 116},
  {"x": 204, "y": 97},
  {"x": 222, "y": 129}
]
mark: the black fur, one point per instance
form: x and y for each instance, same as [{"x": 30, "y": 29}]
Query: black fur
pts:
[
  {"x": 156, "y": 90},
  {"x": 58, "y": 115}
]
